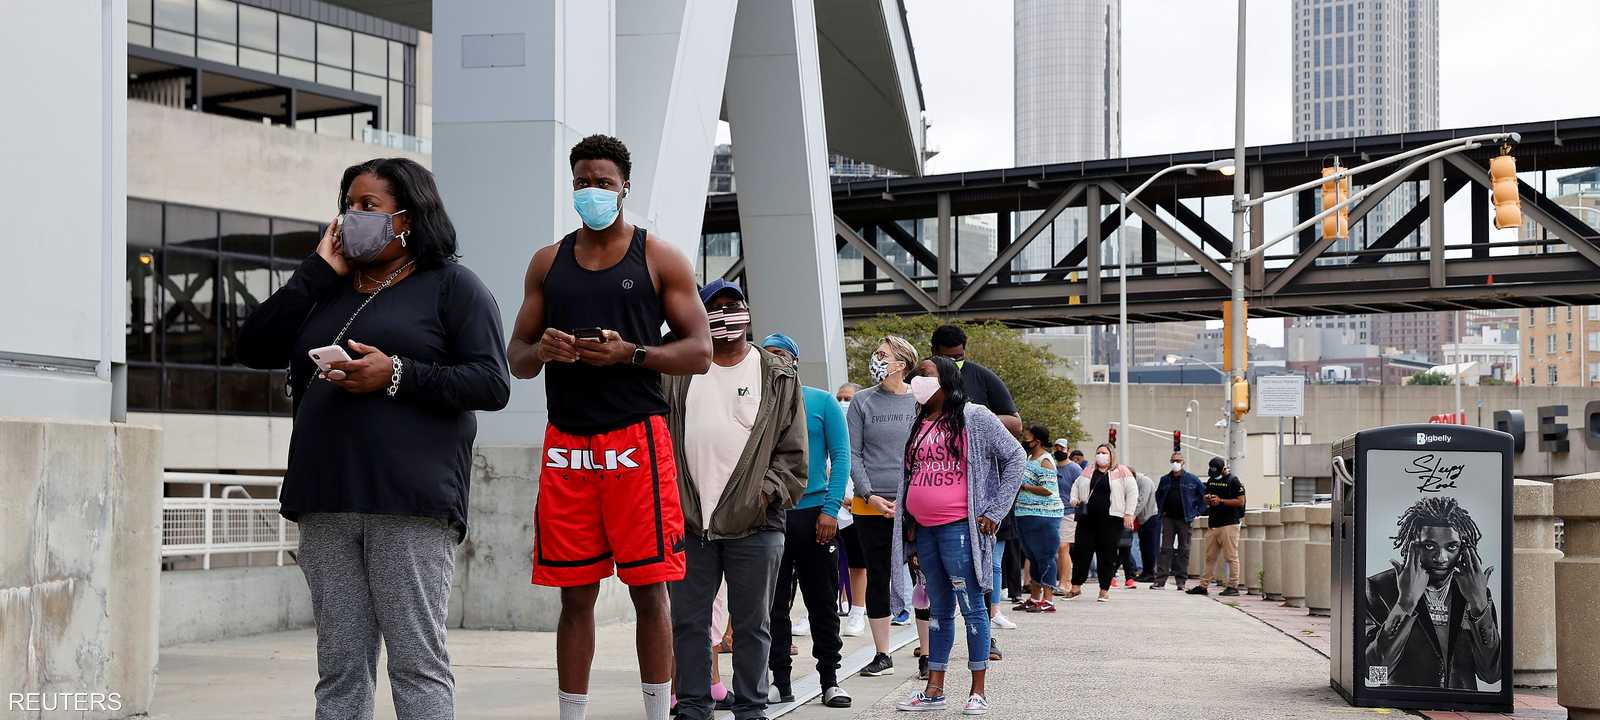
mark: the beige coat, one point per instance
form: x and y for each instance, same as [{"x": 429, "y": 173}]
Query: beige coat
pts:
[{"x": 1124, "y": 490}]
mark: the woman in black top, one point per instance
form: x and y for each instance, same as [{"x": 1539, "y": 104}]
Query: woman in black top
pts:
[{"x": 381, "y": 451}]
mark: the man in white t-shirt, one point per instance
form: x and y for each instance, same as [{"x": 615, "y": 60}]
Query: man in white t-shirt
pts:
[{"x": 739, "y": 432}]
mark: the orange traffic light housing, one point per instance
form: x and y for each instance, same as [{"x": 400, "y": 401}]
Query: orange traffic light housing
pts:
[
  {"x": 1507, "y": 201},
  {"x": 1334, "y": 192},
  {"x": 1241, "y": 397}
]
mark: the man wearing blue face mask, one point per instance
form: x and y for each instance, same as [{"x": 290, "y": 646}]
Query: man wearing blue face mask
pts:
[{"x": 608, "y": 489}]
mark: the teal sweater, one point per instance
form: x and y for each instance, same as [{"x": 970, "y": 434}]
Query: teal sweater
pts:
[{"x": 830, "y": 443}]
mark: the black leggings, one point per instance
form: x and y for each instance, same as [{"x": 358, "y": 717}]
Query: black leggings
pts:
[
  {"x": 877, "y": 536},
  {"x": 1097, "y": 537}
]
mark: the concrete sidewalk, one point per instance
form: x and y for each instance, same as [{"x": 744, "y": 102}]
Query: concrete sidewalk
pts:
[{"x": 1146, "y": 654}]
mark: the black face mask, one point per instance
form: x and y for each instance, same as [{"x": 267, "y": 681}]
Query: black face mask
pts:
[{"x": 1060, "y": 456}]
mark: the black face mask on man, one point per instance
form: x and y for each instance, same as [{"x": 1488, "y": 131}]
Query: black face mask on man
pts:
[{"x": 364, "y": 234}]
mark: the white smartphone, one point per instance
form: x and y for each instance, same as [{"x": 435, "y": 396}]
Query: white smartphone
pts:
[{"x": 322, "y": 356}]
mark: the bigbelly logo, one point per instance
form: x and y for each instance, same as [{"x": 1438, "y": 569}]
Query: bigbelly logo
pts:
[{"x": 573, "y": 459}]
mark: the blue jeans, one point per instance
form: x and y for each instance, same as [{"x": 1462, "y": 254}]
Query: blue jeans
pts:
[
  {"x": 945, "y": 555},
  {"x": 999, "y": 564},
  {"x": 1041, "y": 537}
]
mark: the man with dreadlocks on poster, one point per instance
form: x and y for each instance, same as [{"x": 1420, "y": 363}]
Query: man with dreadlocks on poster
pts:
[{"x": 1431, "y": 620}]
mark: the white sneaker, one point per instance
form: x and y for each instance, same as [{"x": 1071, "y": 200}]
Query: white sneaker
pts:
[
  {"x": 855, "y": 625},
  {"x": 976, "y": 705},
  {"x": 1002, "y": 622},
  {"x": 801, "y": 627}
]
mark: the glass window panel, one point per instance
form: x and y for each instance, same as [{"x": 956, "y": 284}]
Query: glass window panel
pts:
[
  {"x": 295, "y": 241},
  {"x": 144, "y": 388},
  {"x": 144, "y": 224},
  {"x": 188, "y": 308},
  {"x": 139, "y": 35},
  {"x": 246, "y": 282},
  {"x": 226, "y": 53},
  {"x": 258, "y": 28},
  {"x": 143, "y": 324},
  {"x": 139, "y": 11},
  {"x": 248, "y": 234},
  {"x": 297, "y": 37},
  {"x": 370, "y": 84},
  {"x": 191, "y": 390},
  {"x": 218, "y": 21},
  {"x": 257, "y": 60},
  {"x": 175, "y": 15},
  {"x": 333, "y": 76},
  {"x": 397, "y": 60},
  {"x": 396, "y": 103},
  {"x": 290, "y": 67},
  {"x": 333, "y": 46},
  {"x": 191, "y": 228},
  {"x": 371, "y": 54},
  {"x": 174, "y": 43},
  {"x": 246, "y": 392}
]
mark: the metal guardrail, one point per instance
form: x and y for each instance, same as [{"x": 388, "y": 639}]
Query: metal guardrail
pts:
[{"x": 227, "y": 518}]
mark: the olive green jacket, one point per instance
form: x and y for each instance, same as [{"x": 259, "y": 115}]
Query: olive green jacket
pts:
[{"x": 770, "y": 476}]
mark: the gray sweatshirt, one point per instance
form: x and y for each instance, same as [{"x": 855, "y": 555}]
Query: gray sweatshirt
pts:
[{"x": 879, "y": 423}]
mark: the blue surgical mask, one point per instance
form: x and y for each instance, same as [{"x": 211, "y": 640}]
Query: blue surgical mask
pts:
[{"x": 597, "y": 206}]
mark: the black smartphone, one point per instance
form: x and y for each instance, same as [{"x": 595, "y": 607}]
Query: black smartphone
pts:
[{"x": 592, "y": 334}]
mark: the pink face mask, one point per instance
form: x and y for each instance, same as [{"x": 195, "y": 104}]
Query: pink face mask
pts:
[{"x": 923, "y": 388}]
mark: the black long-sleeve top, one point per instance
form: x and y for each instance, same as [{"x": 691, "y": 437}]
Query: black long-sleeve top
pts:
[{"x": 410, "y": 454}]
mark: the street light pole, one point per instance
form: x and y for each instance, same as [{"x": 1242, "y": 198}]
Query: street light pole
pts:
[
  {"x": 1240, "y": 318},
  {"x": 1123, "y": 435}
]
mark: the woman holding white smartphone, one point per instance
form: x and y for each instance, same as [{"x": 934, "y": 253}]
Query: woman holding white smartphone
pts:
[{"x": 390, "y": 345}]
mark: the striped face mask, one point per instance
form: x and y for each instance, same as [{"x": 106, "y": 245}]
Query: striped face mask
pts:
[{"x": 729, "y": 322}]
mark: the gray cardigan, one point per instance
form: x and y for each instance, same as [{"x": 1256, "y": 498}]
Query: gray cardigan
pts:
[{"x": 995, "y": 462}]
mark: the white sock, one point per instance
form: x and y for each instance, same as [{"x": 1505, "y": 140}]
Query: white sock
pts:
[
  {"x": 573, "y": 705},
  {"x": 657, "y": 700},
  {"x": 857, "y": 612}
]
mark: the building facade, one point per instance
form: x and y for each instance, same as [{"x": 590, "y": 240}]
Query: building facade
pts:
[{"x": 1561, "y": 345}]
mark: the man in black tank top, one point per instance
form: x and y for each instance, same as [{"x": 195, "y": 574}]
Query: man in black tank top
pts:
[{"x": 591, "y": 314}]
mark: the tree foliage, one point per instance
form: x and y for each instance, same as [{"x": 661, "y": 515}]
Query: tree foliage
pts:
[
  {"x": 1429, "y": 378},
  {"x": 1041, "y": 398}
]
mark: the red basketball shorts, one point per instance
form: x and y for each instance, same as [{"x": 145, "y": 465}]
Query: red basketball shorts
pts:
[{"x": 608, "y": 501}]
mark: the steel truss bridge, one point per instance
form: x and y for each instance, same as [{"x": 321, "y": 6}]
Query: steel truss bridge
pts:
[{"x": 1554, "y": 261}]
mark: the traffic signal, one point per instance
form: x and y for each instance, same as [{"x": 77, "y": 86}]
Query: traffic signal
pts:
[
  {"x": 1177, "y": 441},
  {"x": 1111, "y": 437},
  {"x": 1507, "y": 202},
  {"x": 1227, "y": 335},
  {"x": 1241, "y": 397},
  {"x": 1334, "y": 192}
]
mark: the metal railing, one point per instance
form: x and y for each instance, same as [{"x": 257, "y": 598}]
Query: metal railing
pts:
[{"x": 227, "y": 518}]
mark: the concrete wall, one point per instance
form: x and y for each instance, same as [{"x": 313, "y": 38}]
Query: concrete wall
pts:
[
  {"x": 206, "y": 160},
  {"x": 200, "y": 605},
  {"x": 80, "y": 536},
  {"x": 202, "y": 441},
  {"x": 1332, "y": 411}
]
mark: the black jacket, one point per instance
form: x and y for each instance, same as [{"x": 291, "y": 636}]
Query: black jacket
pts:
[{"x": 1424, "y": 663}]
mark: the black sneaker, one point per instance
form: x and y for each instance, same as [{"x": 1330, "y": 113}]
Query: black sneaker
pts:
[
  {"x": 880, "y": 666},
  {"x": 1181, "y": 585},
  {"x": 994, "y": 650},
  {"x": 1230, "y": 592},
  {"x": 1158, "y": 585},
  {"x": 726, "y": 703},
  {"x": 1198, "y": 590},
  {"x": 922, "y": 667},
  {"x": 785, "y": 693},
  {"x": 1145, "y": 578}
]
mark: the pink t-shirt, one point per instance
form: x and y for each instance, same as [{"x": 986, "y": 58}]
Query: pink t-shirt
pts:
[{"x": 938, "y": 492}]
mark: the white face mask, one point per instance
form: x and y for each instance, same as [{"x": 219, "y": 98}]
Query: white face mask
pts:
[
  {"x": 1177, "y": 467},
  {"x": 844, "y": 405},
  {"x": 923, "y": 388},
  {"x": 1102, "y": 459}
]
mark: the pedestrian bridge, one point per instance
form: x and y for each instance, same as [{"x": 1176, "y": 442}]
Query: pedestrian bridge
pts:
[{"x": 1027, "y": 246}]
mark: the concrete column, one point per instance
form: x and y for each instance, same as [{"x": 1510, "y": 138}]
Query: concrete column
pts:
[
  {"x": 1292, "y": 554},
  {"x": 516, "y": 85},
  {"x": 1318, "y": 559},
  {"x": 1197, "y": 546},
  {"x": 1250, "y": 550},
  {"x": 1534, "y": 547},
  {"x": 80, "y": 561},
  {"x": 774, "y": 106},
  {"x": 1272, "y": 556},
  {"x": 1577, "y": 502}
]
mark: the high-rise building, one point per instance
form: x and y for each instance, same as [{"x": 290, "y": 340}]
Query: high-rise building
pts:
[{"x": 1369, "y": 67}]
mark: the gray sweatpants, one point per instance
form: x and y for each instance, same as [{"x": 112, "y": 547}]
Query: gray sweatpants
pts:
[
  {"x": 378, "y": 577},
  {"x": 750, "y": 565}
]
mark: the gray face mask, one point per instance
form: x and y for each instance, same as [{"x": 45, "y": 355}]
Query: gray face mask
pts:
[{"x": 365, "y": 234}]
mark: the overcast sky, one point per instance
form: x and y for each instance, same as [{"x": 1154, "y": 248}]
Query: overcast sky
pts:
[{"x": 1178, "y": 74}]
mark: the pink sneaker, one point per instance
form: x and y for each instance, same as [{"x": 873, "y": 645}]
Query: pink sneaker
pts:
[{"x": 1130, "y": 584}]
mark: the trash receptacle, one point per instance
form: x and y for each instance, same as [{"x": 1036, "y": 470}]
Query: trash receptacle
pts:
[{"x": 1422, "y": 555}]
